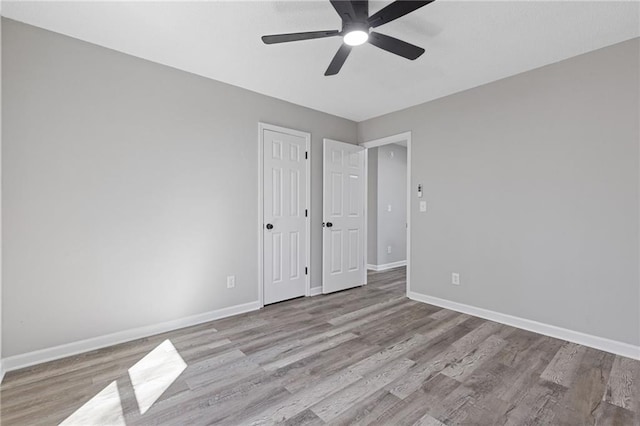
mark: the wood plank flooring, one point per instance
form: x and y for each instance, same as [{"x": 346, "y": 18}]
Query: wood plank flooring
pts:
[{"x": 363, "y": 356}]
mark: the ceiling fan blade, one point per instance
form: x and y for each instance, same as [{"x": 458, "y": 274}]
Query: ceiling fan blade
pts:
[
  {"x": 393, "y": 45},
  {"x": 361, "y": 8},
  {"x": 283, "y": 38},
  {"x": 345, "y": 9},
  {"x": 394, "y": 11},
  {"x": 338, "y": 60}
]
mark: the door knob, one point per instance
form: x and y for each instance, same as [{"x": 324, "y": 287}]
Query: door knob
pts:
[
  {"x": 269, "y": 226},
  {"x": 329, "y": 224}
]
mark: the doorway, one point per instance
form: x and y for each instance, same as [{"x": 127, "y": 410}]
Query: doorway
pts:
[{"x": 388, "y": 203}]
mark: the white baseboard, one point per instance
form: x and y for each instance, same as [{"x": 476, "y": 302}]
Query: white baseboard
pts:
[
  {"x": 49, "y": 354},
  {"x": 315, "y": 291},
  {"x": 601, "y": 343},
  {"x": 1, "y": 371},
  {"x": 386, "y": 266}
]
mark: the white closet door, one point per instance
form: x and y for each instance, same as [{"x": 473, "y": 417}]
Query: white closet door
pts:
[{"x": 285, "y": 186}]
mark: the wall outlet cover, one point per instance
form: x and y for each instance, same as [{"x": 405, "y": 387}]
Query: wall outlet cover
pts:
[
  {"x": 231, "y": 281},
  {"x": 455, "y": 278}
]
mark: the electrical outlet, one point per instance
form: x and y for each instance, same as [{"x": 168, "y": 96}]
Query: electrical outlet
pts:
[
  {"x": 231, "y": 281},
  {"x": 389, "y": 249},
  {"x": 455, "y": 278},
  {"x": 388, "y": 207}
]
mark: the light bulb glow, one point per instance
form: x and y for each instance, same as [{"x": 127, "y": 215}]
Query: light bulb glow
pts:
[{"x": 356, "y": 38}]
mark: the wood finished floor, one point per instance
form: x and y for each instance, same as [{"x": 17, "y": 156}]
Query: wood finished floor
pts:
[{"x": 364, "y": 356}]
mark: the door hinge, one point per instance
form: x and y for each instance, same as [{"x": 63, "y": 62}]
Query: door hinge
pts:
[
  {"x": 306, "y": 213},
  {"x": 306, "y": 270},
  {"x": 306, "y": 155}
]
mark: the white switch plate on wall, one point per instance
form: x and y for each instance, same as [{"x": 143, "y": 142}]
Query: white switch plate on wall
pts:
[{"x": 423, "y": 206}]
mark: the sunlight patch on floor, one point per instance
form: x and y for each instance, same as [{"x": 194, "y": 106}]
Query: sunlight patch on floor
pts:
[
  {"x": 153, "y": 374},
  {"x": 103, "y": 409}
]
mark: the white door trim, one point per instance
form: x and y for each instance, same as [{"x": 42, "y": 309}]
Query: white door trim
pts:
[
  {"x": 401, "y": 137},
  {"x": 307, "y": 137}
]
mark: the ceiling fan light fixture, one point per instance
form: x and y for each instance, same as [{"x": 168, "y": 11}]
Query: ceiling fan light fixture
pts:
[
  {"x": 356, "y": 37},
  {"x": 356, "y": 27}
]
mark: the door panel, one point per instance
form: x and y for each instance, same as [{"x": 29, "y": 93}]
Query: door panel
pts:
[
  {"x": 354, "y": 251},
  {"x": 355, "y": 198},
  {"x": 343, "y": 243},
  {"x": 285, "y": 198},
  {"x": 336, "y": 251},
  {"x": 294, "y": 254},
  {"x": 336, "y": 194},
  {"x": 277, "y": 257}
]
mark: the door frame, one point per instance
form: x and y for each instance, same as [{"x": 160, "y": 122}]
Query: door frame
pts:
[
  {"x": 307, "y": 137},
  {"x": 400, "y": 137}
]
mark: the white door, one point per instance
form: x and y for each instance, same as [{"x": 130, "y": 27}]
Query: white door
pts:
[
  {"x": 344, "y": 222},
  {"x": 285, "y": 215}
]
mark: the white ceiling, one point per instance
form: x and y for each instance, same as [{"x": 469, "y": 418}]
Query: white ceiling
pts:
[{"x": 467, "y": 44}]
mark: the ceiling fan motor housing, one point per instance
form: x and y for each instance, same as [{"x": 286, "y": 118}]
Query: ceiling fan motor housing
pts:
[{"x": 347, "y": 27}]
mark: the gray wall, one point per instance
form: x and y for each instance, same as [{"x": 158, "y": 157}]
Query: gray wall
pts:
[
  {"x": 130, "y": 189},
  {"x": 1, "y": 367},
  {"x": 392, "y": 190},
  {"x": 532, "y": 189},
  {"x": 372, "y": 206}
]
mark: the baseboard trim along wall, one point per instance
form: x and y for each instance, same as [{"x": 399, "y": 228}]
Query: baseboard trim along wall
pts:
[
  {"x": 315, "y": 291},
  {"x": 386, "y": 266},
  {"x": 601, "y": 343},
  {"x": 50, "y": 354}
]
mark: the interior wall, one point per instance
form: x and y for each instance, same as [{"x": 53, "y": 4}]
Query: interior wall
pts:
[
  {"x": 1, "y": 367},
  {"x": 372, "y": 206},
  {"x": 130, "y": 189},
  {"x": 532, "y": 188},
  {"x": 392, "y": 204}
]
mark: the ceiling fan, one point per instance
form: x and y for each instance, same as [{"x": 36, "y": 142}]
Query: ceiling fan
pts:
[{"x": 356, "y": 26}]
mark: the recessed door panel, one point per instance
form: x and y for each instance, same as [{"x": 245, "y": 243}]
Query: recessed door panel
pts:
[
  {"x": 276, "y": 243},
  {"x": 276, "y": 149},
  {"x": 355, "y": 196},
  {"x": 294, "y": 193},
  {"x": 276, "y": 188},
  {"x": 294, "y": 252},
  {"x": 294, "y": 152},
  {"x": 336, "y": 251},
  {"x": 337, "y": 189},
  {"x": 336, "y": 157},
  {"x": 354, "y": 160},
  {"x": 353, "y": 248}
]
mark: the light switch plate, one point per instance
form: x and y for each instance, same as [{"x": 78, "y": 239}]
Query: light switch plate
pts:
[{"x": 423, "y": 206}]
